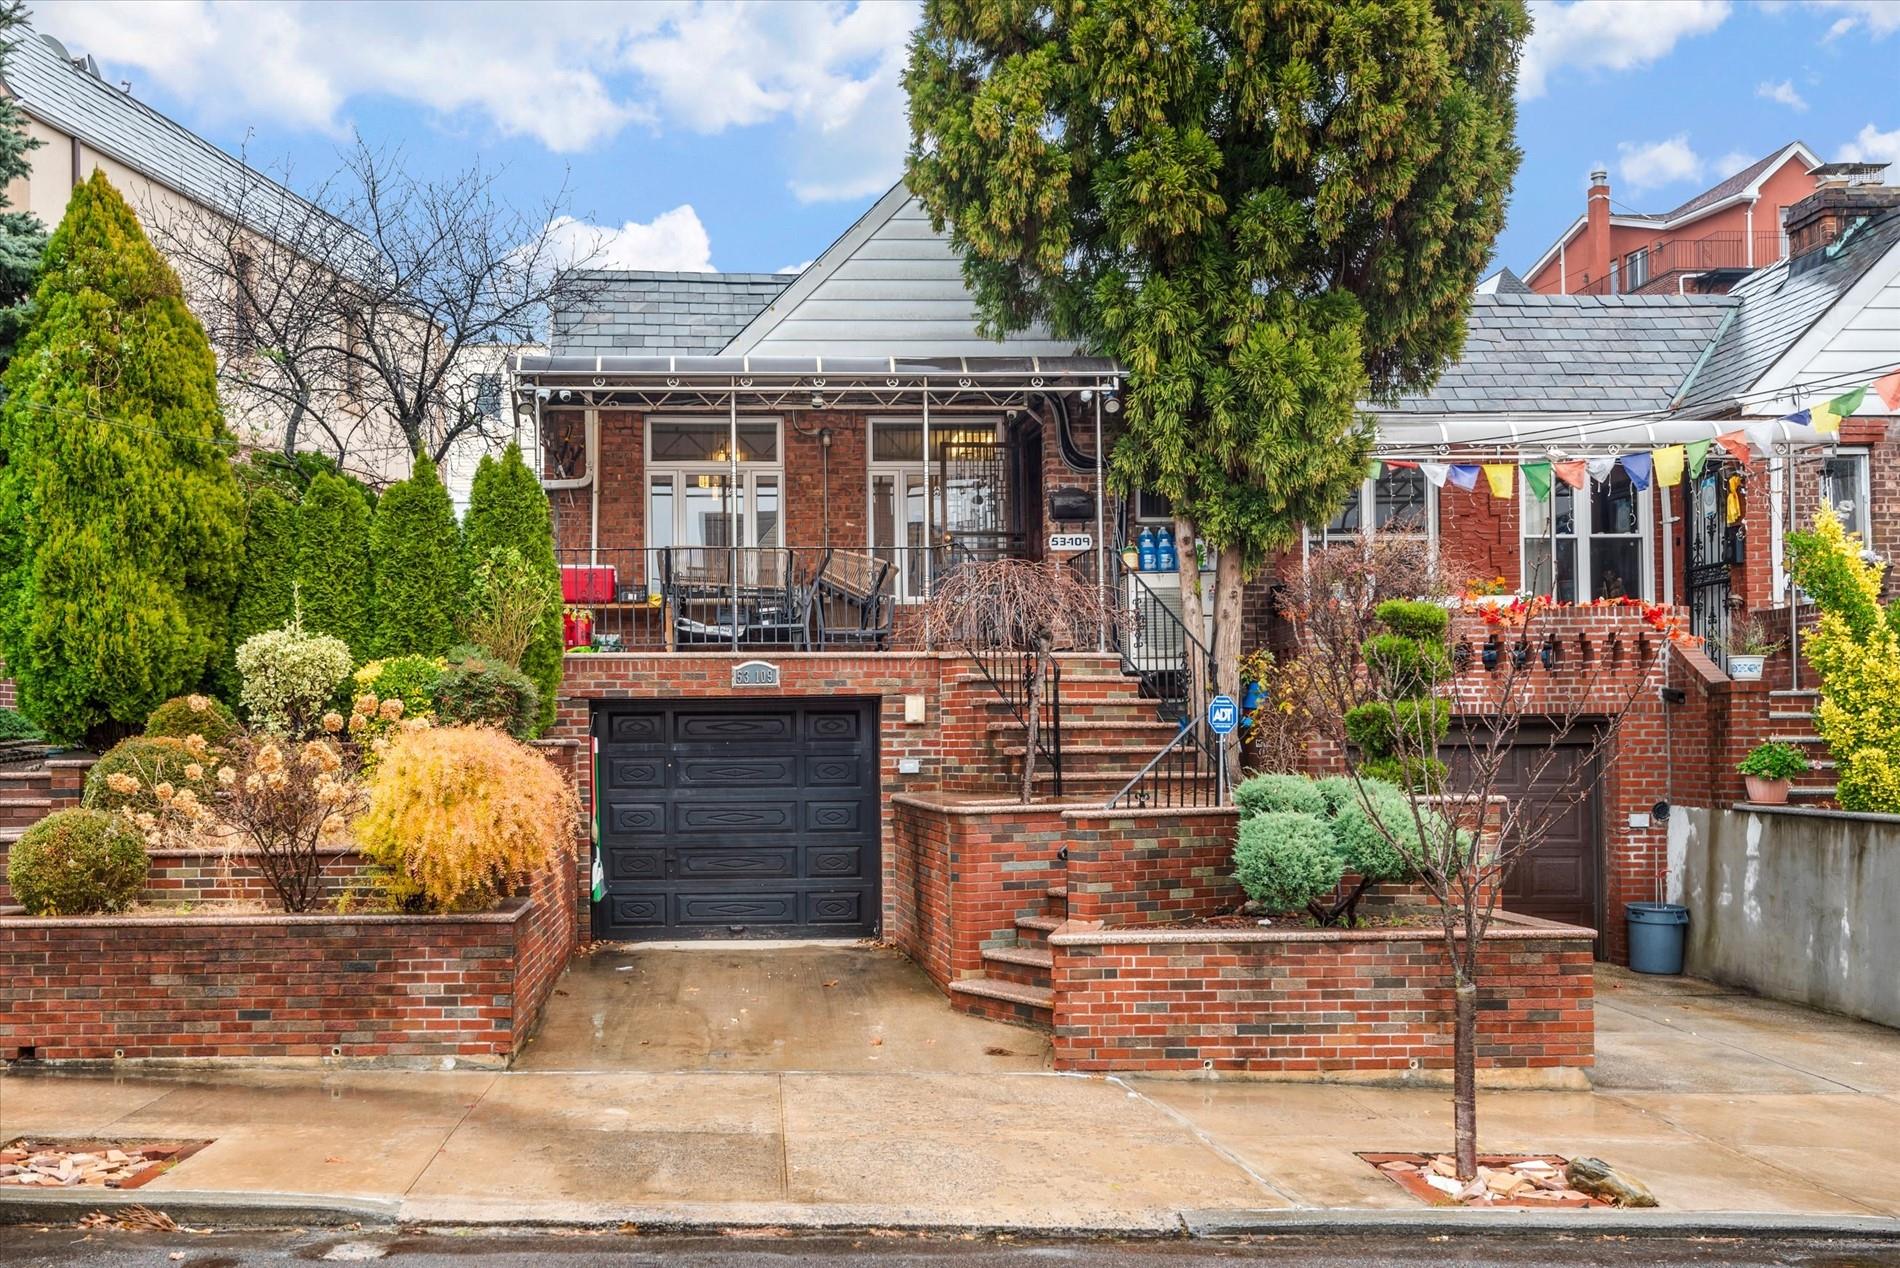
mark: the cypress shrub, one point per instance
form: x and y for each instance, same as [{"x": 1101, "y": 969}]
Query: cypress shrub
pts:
[
  {"x": 121, "y": 528},
  {"x": 333, "y": 562},
  {"x": 416, "y": 570},
  {"x": 508, "y": 507},
  {"x": 266, "y": 593}
]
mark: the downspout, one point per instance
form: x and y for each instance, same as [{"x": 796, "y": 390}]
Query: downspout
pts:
[
  {"x": 1749, "y": 229},
  {"x": 1101, "y": 534},
  {"x": 590, "y": 427},
  {"x": 1669, "y": 545},
  {"x": 732, "y": 501},
  {"x": 1563, "y": 269}
]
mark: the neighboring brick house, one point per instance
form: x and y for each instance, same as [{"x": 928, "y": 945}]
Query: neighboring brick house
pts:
[{"x": 1705, "y": 245}]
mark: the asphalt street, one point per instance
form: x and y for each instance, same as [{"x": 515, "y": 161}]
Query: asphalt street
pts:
[{"x": 32, "y": 1248}]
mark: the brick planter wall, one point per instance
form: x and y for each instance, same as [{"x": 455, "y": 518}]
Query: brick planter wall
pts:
[
  {"x": 1151, "y": 866},
  {"x": 1352, "y": 1004},
  {"x": 377, "y": 987}
]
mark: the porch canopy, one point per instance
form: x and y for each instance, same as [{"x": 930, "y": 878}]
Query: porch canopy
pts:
[{"x": 1405, "y": 436}]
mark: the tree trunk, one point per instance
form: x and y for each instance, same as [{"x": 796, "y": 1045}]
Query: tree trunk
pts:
[
  {"x": 1227, "y": 585},
  {"x": 1032, "y": 723},
  {"x": 1186, "y": 545},
  {"x": 1464, "y": 1094}
]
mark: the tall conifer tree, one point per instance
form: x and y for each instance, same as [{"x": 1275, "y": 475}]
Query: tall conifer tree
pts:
[
  {"x": 120, "y": 520},
  {"x": 418, "y": 577},
  {"x": 508, "y": 507},
  {"x": 333, "y": 568}
]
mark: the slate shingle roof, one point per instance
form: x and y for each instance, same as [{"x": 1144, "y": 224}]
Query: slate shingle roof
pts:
[
  {"x": 1778, "y": 304},
  {"x": 688, "y": 314},
  {"x": 1585, "y": 353},
  {"x": 48, "y": 86}
]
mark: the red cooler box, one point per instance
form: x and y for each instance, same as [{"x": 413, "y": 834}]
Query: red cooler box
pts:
[{"x": 587, "y": 583}]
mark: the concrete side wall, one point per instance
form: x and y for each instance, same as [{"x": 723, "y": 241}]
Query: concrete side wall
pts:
[{"x": 1795, "y": 904}]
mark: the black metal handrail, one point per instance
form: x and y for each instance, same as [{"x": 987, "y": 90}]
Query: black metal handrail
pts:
[{"x": 1010, "y": 670}]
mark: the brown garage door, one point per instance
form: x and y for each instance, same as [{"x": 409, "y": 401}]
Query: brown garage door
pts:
[
  {"x": 1562, "y": 878},
  {"x": 738, "y": 818}
]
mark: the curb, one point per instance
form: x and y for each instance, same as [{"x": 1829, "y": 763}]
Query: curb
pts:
[
  {"x": 1621, "y": 1223},
  {"x": 207, "y": 1208}
]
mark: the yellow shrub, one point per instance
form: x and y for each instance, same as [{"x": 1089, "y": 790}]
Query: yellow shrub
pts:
[{"x": 460, "y": 816}]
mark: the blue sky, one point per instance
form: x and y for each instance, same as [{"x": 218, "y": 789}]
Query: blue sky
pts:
[{"x": 747, "y": 136}]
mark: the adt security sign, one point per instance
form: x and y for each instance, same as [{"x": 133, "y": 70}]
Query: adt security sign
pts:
[{"x": 1223, "y": 715}]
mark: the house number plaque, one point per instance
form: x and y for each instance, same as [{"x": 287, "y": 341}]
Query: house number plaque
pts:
[{"x": 755, "y": 673}]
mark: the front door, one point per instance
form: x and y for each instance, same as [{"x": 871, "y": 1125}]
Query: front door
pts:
[{"x": 738, "y": 818}]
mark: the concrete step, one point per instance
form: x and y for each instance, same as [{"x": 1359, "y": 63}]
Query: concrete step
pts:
[
  {"x": 1032, "y": 932},
  {"x": 1005, "y": 1001},
  {"x": 1809, "y": 792},
  {"x": 1027, "y": 966},
  {"x": 1789, "y": 693},
  {"x": 1791, "y": 715},
  {"x": 24, "y": 812},
  {"x": 1161, "y": 729},
  {"x": 1793, "y": 738}
]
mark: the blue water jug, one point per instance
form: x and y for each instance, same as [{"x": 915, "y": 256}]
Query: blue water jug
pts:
[
  {"x": 1164, "y": 551},
  {"x": 1145, "y": 546}
]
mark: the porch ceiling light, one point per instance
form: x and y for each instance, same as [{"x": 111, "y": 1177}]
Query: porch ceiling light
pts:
[{"x": 1113, "y": 403}]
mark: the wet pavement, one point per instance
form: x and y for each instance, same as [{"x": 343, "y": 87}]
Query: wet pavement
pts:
[{"x": 825, "y": 1087}]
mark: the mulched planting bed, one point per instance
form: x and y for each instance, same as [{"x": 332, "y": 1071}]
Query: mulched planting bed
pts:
[
  {"x": 28, "y": 1162},
  {"x": 1521, "y": 1180}
]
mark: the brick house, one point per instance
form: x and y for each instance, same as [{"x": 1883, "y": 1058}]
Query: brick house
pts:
[
  {"x": 757, "y": 479},
  {"x": 1704, "y": 245}
]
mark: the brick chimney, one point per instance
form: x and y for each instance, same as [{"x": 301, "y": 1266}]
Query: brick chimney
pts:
[
  {"x": 1596, "y": 228},
  {"x": 1844, "y": 193}
]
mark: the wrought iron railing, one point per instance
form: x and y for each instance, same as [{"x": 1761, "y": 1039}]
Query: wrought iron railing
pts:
[
  {"x": 1185, "y": 773},
  {"x": 1011, "y": 671}
]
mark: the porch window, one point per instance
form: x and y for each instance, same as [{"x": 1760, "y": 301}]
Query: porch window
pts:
[
  {"x": 896, "y": 489},
  {"x": 1844, "y": 487},
  {"x": 1601, "y": 535},
  {"x": 1400, "y": 501},
  {"x": 692, "y": 499}
]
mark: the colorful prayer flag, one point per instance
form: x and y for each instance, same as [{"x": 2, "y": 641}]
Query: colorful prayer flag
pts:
[
  {"x": 1698, "y": 455},
  {"x": 1668, "y": 460},
  {"x": 1464, "y": 475},
  {"x": 1537, "y": 476},
  {"x": 1847, "y": 402},
  {"x": 1888, "y": 385},
  {"x": 1639, "y": 468},
  {"x": 1600, "y": 468},
  {"x": 1572, "y": 473},
  {"x": 1498, "y": 476},
  {"x": 1824, "y": 419},
  {"x": 1736, "y": 442},
  {"x": 1435, "y": 473}
]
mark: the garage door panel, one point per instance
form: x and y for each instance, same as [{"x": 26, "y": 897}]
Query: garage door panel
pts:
[
  {"x": 718, "y": 907},
  {"x": 699, "y": 864},
  {"x": 736, "y": 818},
  {"x": 727, "y": 772},
  {"x": 693, "y": 727},
  {"x": 691, "y": 818}
]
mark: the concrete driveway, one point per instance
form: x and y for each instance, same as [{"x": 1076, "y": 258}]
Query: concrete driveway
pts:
[{"x": 768, "y": 1008}]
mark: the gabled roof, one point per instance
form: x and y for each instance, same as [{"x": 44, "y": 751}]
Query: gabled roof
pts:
[
  {"x": 1778, "y": 305},
  {"x": 1601, "y": 354},
  {"x": 690, "y": 314},
  {"x": 44, "y": 79},
  {"x": 1744, "y": 184},
  {"x": 1503, "y": 282}
]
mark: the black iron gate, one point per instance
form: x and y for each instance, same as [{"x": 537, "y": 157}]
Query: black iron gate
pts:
[
  {"x": 1710, "y": 547},
  {"x": 972, "y": 492}
]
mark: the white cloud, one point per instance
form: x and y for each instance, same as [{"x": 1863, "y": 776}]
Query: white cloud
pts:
[
  {"x": 1609, "y": 35},
  {"x": 1881, "y": 18},
  {"x": 1871, "y": 145},
  {"x": 796, "y": 268},
  {"x": 1783, "y": 92},
  {"x": 566, "y": 74},
  {"x": 674, "y": 241},
  {"x": 1731, "y": 163},
  {"x": 1652, "y": 164}
]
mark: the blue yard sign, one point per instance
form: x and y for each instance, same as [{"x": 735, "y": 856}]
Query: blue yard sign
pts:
[{"x": 1223, "y": 715}]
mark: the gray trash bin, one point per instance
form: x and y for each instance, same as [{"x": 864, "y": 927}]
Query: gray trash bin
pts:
[{"x": 1657, "y": 932}]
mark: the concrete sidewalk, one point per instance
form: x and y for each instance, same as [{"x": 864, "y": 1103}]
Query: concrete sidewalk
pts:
[{"x": 1721, "y": 1103}]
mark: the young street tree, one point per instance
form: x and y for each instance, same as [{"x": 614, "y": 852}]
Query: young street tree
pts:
[
  {"x": 1383, "y": 666},
  {"x": 120, "y": 519},
  {"x": 373, "y": 311},
  {"x": 1266, "y": 213}
]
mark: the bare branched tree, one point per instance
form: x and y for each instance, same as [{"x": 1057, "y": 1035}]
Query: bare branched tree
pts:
[
  {"x": 1536, "y": 714},
  {"x": 370, "y": 310},
  {"x": 1013, "y": 615}
]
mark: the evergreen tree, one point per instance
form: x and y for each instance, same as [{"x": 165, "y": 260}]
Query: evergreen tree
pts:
[
  {"x": 22, "y": 236},
  {"x": 508, "y": 507},
  {"x": 120, "y": 520},
  {"x": 1266, "y": 213},
  {"x": 264, "y": 598},
  {"x": 333, "y": 562},
  {"x": 417, "y": 576}
]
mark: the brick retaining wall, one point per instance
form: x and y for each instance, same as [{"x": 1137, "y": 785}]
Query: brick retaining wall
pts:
[
  {"x": 1151, "y": 866},
  {"x": 1365, "y": 1004}
]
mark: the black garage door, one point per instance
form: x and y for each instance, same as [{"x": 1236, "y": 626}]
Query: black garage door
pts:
[{"x": 738, "y": 818}]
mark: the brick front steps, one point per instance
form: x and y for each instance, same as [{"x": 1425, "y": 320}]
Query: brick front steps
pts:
[{"x": 1791, "y": 721}]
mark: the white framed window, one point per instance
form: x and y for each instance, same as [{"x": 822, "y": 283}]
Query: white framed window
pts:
[
  {"x": 1636, "y": 269},
  {"x": 895, "y": 489},
  {"x": 691, "y": 497},
  {"x": 1399, "y": 501},
  {"x": 1846, "y": 487},
  {"x": 1601, "y": 535}
]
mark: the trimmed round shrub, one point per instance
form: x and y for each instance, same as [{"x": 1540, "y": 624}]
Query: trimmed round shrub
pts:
[
  {"x": 1338, "y": 791},
  {"x": 1412, "y": 726},
  {"x": 77, "y": 863},
  {"x": 460, "y": 816},
  {"x": 1286, "y": 860},
  {"x": 1414, "y": 618},
  {"x": 410, "y": 679},
  {"x": 129, "y": 775},
  {"x": 14, "y": 726},
  {"x": 1365, "y": 849},
  {"x": 1265, "y": 794},
  {"x": 195, "y": 715},
  {"x": 478, "y": 691},
  {"x": 289, "y": 677},
  {"x": 1406, "y": 666}
]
